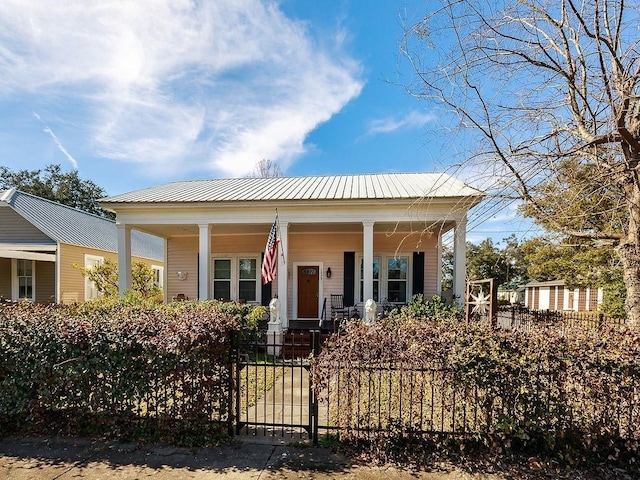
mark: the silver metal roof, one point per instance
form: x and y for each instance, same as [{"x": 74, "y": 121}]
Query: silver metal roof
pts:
[
  {"x": 70, "y": 225},
  {"x": 328, "y": 187}
]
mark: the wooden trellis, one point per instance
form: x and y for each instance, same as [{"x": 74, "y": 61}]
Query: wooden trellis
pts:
[{"x": 481, "y": 301}]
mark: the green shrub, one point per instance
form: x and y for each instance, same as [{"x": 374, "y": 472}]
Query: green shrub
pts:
[{"x": 435, "y": 308}]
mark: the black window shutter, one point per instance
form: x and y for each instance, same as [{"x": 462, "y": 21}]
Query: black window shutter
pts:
[
  {"x": 266, "y": 288},
  {"x": 349, "y": 277},
  {"x": 418, "y": 273}
]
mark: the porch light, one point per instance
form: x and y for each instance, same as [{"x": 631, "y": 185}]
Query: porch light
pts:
[
  {"x": 181, "y": 274},
  {"x": 328, "y": 272}
]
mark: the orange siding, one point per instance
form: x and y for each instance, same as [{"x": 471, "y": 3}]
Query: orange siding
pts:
[
  {"x": 71, "y": 279},
  {"x": 560, "y": 298},
  {"x": 582, "y": 300},
  {"x": 552, "y": 298},
  {"x": 593, "y": 299}
]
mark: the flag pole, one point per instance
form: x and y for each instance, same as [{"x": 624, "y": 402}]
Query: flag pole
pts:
[{"x": 280, "y": 237}]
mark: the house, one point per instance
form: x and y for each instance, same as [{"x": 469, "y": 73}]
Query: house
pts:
[
  {"x": 359, "y": 236},
  {"x": 511, "y": 293},
  {"x": 555, "y": 296},
  {"x": 41, "y": 240}
]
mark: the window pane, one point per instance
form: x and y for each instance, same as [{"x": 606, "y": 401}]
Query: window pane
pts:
[
  {"x": 24, "y": 268},
  {"x": 397, "y": 291},
  {"x": 376, "y": 277},
  {"x": 248, "y": 268},
  {"x": 397, "y": 268},
  {"x": 247, "y": 290},
  {"x": 222, "y": 290},
  {"x": 222, "y": 269}
]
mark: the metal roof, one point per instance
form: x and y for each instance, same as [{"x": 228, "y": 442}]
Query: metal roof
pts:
[
  {"x": 548, "y": 283},
  {"x": 329, "y": 187},
  {"x": 69, "y": 225}
]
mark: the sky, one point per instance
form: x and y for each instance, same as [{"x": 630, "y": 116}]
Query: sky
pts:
[{"x": 138, "y": 93}]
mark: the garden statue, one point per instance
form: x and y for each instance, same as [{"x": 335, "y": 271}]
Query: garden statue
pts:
[
  {"x": 370, "y": 312},
  {"x": 274, "y": 312}
]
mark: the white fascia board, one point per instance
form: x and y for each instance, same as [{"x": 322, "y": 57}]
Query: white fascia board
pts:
[
  {"x": 23, "y": 255},
  {"x": 318, "y": 213},
  {"x": 29, "y": 247}
]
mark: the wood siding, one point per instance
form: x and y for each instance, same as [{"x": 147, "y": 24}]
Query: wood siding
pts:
[
  {"x": 15, "y": 229},
  {"x": 5, "y": 277},
  {"x": 45, "y": 282},
  {"x": 324, "y": 248},
  {"x": 72, "y": 281},
  {"x": 182, "y": 255}
]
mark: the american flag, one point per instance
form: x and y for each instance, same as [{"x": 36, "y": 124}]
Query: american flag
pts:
[{"x": 270, "y": 259}]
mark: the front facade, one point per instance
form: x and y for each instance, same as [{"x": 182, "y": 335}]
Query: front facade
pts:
[
  {"x": 42, "y": 242},
  {"x": 363, "y": 237},
  {"x": 555, "y": 296}
]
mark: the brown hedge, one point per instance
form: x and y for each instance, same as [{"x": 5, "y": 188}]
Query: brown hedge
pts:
[{"x": 118, "y": 369}]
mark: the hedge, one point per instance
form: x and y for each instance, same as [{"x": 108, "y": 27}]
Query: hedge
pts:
[
  {"x": 567, "y": 394},
  {"x": 118, "y": 369}
]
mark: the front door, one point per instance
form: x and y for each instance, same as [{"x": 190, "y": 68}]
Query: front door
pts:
[{"x": 308, "y": 283}]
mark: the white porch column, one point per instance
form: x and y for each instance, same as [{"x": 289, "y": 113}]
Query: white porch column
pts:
[
  {"x": 439, "y": 266},
  {"x": 124, "y": 258},
  {"x": 204, "y": 261},
  {"x": 459, "y": 260},
  {"x": 282, "y": 275},
  {"x": 367, "y": 258}
]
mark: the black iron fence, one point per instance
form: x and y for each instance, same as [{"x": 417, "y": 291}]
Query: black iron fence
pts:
[{"x": 510, "y": 316}]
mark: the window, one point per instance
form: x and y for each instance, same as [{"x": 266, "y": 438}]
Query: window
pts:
[
  {"x": 390, "y": 279},
  {"x": 376, "y": 279},
  {"x": 222, "y": 279},
  {"x": 236, "y": 278},
  {"x": 397, "y": 279},
  {"x": 247, "y": 275},
  {"x": 90, "y": 289},
  {"x": 25, "y": 279},
  {"x": 158, "y": 275}
]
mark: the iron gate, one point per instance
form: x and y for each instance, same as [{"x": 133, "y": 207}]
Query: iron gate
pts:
[{"x": 273, "y": 391}]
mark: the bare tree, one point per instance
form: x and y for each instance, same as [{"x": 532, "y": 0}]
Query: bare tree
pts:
[
  {"x": 547, "y": 90},
  {"x": 266, "y": 168}
]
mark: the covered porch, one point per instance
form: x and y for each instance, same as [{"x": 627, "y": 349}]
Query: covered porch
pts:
[
  {"x": 325, "y": 271},
  {"x": 363, "y": 237}
]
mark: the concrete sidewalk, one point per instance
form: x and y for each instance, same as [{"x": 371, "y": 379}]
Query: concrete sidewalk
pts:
[{"x": 67, "y": 458}]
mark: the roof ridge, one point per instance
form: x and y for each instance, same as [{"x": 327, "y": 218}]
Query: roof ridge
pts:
[{"x": 58, "y": 204}]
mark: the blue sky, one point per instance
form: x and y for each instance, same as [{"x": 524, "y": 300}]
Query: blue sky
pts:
[{"x": 133, "y": 94}]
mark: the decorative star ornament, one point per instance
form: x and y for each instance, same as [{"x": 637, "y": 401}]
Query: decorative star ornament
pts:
[{"x": 480, "y": 302}]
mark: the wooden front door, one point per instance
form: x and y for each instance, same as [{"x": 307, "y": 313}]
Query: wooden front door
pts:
[{"x": 308, "y": 283}]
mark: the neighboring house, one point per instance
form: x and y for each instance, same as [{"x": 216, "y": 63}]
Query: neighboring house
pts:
[
  {"x": 41, "y": 240},
  {"x": 360, "y": 236},
  {"x": 511, "y": 294},
  {"x": 555, "y": 296}
]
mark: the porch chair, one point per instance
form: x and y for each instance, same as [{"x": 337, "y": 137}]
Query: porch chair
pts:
[{"x": 338, "y": 310}]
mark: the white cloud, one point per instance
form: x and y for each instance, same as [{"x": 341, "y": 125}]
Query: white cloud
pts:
[
  {"x": 57, "y": 141},
  {"x": 177, "y": 84},
  {"x": 388, "y": 125}
]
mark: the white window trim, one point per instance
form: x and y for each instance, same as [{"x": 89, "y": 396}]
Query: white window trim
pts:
[
  {"x": 89, "y": 286},
  {"x": 160, "y": 270},
  {"x": 15, "y": 287},
  {"x": 383, "y": 287},
  {"x": 235, "y": 275}
]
